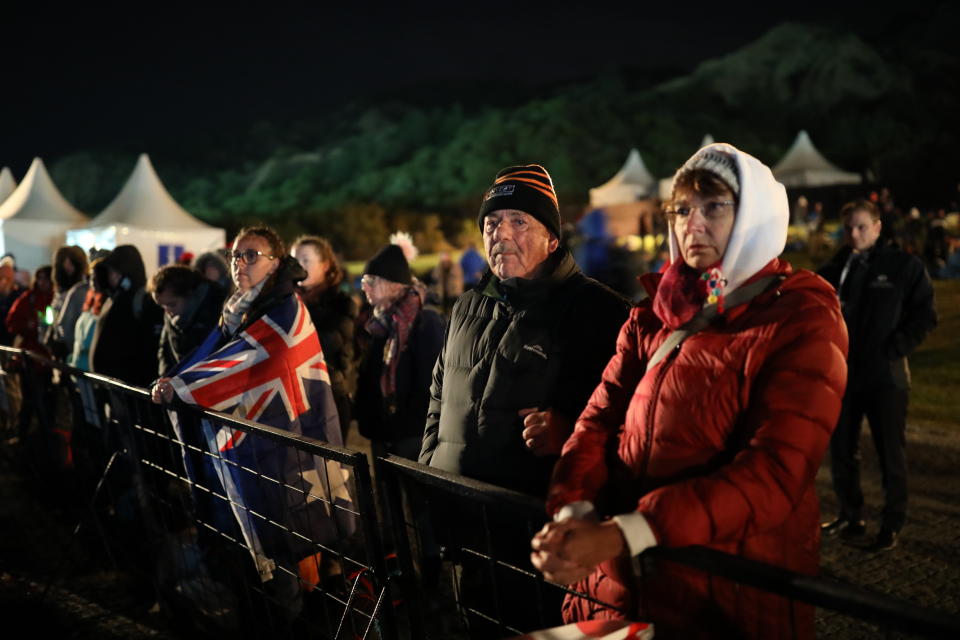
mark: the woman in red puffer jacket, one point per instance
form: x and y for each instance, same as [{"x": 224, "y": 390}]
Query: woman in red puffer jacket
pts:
[{"x": 718, "y": 437}]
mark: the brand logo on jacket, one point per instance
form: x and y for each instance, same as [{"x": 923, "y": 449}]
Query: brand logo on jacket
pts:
[{"x": 537, "y": 349}]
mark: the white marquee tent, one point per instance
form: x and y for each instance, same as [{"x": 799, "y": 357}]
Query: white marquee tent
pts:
[
  {"x": 7, "y": 184},
  {"x": 804, "y": 166},
  {"x": 633, "y": 182},
  {"x": 145, "y": 215},
  {"x": 34, "y": 218}
]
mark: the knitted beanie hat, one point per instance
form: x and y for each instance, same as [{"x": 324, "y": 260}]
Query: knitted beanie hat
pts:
[
  {"x": 527, "y": 188},
  {"x": 720, "y": 164},
  {"x": 389, "y": 264}
]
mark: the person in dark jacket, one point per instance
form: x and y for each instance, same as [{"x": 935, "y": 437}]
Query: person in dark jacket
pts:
[
  {"x": 524, "y": 348},
  {"x": 393, "y": 387},
  {"x": 888, "y": 305},
  {"x": 334, "y": 314},
  {"x": 523, "y": 351},
  {"x": 127, "y": 334},
  {"x": 191, "y": 305}
]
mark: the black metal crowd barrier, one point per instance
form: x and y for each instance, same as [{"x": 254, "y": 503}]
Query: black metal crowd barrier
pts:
[
  {"x": 286, "y": 543},
  {"x": 308, "y": 557},
  {"x": 460, "y": 505}
]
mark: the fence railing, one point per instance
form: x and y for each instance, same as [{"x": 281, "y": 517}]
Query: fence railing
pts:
[
  {"x": 281, "y": 538},
  {"x": 288, "y": 540}
]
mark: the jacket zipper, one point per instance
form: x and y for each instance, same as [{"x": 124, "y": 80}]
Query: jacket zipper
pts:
[{"x": 648, "y": 437}]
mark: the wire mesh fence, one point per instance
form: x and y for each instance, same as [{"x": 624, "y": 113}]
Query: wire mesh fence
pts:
[{"x": 293, "y": 538}]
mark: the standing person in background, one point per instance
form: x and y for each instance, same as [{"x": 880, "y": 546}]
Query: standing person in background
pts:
[
  {"x": 212, "y": 267},
  {"x": 128, "y": 328},
  {"x": 191, "y": 306},
  {"x": 86, "y": 323},
  {"x": 8, "y": 295},
  {"x": 25, "y": 324},
  {"x": 446, "y": 282},
  {"x": 472, "y": 265},
  {"x": 887, "y": 302},
  {"x": 334, "y": 315},
  {"x": 70, "y": 291},
  {"x": 394, "y": 385},
  {"x": 25, "y": 320}
]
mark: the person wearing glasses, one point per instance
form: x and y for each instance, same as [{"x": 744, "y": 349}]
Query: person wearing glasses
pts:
[
  {"x": 717, "y": 407},
  {"x": 264, "y": 363},
  {"x": 393, "y": 388}
]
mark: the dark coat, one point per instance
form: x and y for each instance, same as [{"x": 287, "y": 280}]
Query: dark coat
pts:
[
  {"x": 200, "y": 315},
  {"x": 334, "y": 314},
  {"x": 403, "y": 417},
  {"x": 718, "y": 445},
  {"x": 889, "y": 309},
  {"x": 539, "y": 343},
  {"x": 127, "y": 335}
]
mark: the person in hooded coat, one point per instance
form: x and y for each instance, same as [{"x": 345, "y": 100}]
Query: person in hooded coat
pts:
[
  {"x": 70, "y": 291},
  {"x": 127, "y": 333},
  {"x": 718, "y": 436}
]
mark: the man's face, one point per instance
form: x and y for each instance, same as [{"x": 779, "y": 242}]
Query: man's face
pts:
[
  {"x": 171, "y": 303},
  {"x": 517, "y": 244},
  {"x": 861, "y": 230}
]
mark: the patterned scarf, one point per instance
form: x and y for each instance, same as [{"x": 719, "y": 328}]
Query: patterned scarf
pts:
[
  {"x": 237, "y": 305},
  {"x": 394, "y": 322},
  {"x": 680, "y": 295}
]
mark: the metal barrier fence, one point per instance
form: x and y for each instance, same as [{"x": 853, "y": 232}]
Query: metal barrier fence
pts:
[
  {"x": 284, "y": 541},
  {"x": 301, "y": 559},
  {"x": 476, "y": 521}
]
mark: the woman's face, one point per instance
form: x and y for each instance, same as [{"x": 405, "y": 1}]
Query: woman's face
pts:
[
  {"x": 703, "y": 226},
  {"x": 309, "y": 258},
  {"x": 246, "y": 276}
]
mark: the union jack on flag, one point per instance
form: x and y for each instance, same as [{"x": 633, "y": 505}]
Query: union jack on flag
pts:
[{"x": 273, "y": 372}]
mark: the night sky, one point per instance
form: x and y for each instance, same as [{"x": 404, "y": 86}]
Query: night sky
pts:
[{"x": 90, "y": 82}]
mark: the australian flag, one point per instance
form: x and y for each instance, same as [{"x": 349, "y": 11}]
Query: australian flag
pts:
[{"x": 283, "y": 500}]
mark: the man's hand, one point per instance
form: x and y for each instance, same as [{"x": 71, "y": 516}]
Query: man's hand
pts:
[
  {"x": 162, "y": 392},
  {"x": 544, "y": 431},
  {"x": 568, "y": 551}
]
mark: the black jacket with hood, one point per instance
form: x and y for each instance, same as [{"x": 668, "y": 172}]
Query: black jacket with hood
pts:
[
  {"x": 127, "y": 333},
  {"x": 187, "y": 331},
  {"x": 513, "y": 345}
]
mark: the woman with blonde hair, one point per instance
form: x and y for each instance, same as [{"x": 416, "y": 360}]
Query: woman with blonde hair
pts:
[{"x": 334, "y": 314}]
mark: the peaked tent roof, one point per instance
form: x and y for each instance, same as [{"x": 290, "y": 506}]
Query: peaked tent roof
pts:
[
  {"x": 7, "y": 184},
  {"x": 37, "y": 198},
  {"x": 804, "y": 166},
  {"x": 633, "y": 182},
  {"x": 145, "y": 202}
]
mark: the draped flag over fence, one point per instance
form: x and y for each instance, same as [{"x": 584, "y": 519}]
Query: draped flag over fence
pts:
[{"x": 273, "y": 373}]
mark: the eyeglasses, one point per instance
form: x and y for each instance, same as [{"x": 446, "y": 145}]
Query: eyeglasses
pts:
[
  {"x": 711, "y": 210},
  {"x": 250, "y": 256},
  {"x": 369, "y": 280}
]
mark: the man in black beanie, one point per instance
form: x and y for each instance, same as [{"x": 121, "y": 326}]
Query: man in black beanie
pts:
[{"x": 524, "y": 350}]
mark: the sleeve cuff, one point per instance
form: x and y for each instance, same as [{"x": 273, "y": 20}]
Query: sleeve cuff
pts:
[
  {"x": 636, "y": 531},
  {"x": 579, "y": 510}
]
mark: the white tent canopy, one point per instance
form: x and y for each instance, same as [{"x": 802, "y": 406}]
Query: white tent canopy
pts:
[
  {"x": 804, "y": 166},
  {"x": 7, "y": 184},
  {"x": 34, "y": 218},
  {"x": 633, "y": 182},
  {"x": 145, "y": 215}
]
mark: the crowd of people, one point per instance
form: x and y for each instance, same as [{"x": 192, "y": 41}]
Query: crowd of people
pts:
[{"x": 697, "y": 416}]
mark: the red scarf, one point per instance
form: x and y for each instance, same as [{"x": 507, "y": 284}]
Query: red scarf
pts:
[
  {"x": 395, "y": 323},
  {"x": 680, "y": 295}
]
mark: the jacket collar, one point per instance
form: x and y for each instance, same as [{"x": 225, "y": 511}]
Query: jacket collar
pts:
[{"x": 521, "y": 292}]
